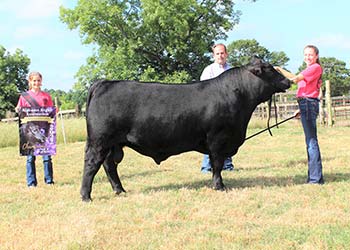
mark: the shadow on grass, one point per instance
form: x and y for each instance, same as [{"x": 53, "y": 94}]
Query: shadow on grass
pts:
[
  {"x": 289, "y": 164},
  {"x": 103, "y": 177},
  {"x": 260, "y": 181},
  {"x": 233, "y": 183}
]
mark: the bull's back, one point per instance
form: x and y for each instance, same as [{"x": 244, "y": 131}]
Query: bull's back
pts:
[
  {"x": 147, "y": 115},
  {"x": 144, "y": 99}
]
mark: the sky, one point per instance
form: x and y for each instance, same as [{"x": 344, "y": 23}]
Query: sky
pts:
[{"x": 57, "y": 52}]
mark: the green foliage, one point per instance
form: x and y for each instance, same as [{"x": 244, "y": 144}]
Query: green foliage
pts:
[
  {"x": 336, "y": 72},
  {"x": 169, "y": 37},
  {"x": 78, "y": 94},
  {"x": 13, "y": 71},
  {"x": 241, "y": 51},
  {"x": 70, "y": 99},
  {"x": 277, "y": 58},
  {"x": 150, "y": 75}
]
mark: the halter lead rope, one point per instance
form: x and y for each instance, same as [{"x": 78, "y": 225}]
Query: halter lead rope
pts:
[
  {"x": 269, "y": 128},
  {"x": 268, "y": 120}
]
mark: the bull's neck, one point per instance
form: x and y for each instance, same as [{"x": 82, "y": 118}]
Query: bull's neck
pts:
[
  {"x": 258, "y": 92},
  {"x": 253, "y": 93}
]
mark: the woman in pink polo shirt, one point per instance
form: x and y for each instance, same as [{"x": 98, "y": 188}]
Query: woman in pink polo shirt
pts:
[
  {"x": 309, "y": 84},
  {"x": 41, "y": 99}
]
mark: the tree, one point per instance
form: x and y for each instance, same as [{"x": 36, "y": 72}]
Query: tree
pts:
[
  {"x": 241, "y": 51},
  {"x": 334, "y": 70},
  {"x": 13, "y": 71},
  {"x": 149, "y": 39}
]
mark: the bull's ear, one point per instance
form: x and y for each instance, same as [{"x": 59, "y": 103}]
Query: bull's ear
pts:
[
  {"x": 255, "y": 65},
  {"x": 255, "y": 69},
  {"x": 255, "y": 60}
]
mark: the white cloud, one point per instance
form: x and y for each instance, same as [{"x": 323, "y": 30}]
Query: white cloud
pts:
[
  {"x": 334, "y": 40},
  {"x": 31, "y": 9}
]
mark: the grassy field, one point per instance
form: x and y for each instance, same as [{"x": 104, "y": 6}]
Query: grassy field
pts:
[
  {"x": 74, "y": 130},
  {"x": 171, "y": 206}
]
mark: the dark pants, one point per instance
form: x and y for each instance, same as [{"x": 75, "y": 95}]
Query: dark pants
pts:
[
  {"x": 309, "y": 109},
  {"x": 206, "y": 165},
  {"x": 31, "y": 171}
]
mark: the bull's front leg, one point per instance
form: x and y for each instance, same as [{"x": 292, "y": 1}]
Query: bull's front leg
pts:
[{"x": 217, "y": 162}]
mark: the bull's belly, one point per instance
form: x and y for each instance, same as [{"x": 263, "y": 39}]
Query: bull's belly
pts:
[{"x": 161, "y": 150}]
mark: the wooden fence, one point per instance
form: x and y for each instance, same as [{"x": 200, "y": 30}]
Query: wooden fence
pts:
[
  {"x": 286, "y": 105},
  {"x": 341, "y": 108}
]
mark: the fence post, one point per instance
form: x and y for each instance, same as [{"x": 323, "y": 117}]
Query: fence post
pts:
[
  {"x": 322, "y": 115},
  {"x": 329, "y": 104},
  {"x": 62, "y": 123},
  {"x": 77, "y": 110}
]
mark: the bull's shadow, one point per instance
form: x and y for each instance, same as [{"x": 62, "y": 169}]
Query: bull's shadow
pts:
[
  {"x": 259, "y": 181},
  {"x": 289, "y": 164},
  {"x": 251, "y": 182},
  {"x": 232, "y": 179}
]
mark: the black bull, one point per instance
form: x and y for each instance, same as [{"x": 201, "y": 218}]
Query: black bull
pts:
[{"x": 161, "y": 120}]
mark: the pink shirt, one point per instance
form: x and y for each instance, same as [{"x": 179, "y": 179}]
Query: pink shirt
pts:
[
  {"x": 311, "y": 84},
  {"x": 43, "y": 99}
]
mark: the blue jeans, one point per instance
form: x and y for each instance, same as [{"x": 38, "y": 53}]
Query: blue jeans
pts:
[
  {"x": 308, "y": 111},
  {"x": 31, "y": 171},
  {"x": 206, "y": 166}
]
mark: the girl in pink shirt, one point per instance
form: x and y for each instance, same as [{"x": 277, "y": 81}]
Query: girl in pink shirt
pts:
[
  {"x": 309, "y": 84},
  {"x": 42, "y": 98},
  {"x": 36, "y": 98}
]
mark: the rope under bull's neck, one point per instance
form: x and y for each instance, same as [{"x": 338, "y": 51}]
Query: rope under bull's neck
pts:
[
  {"x": 268, "y": 119},
  {"x": 269, "y": 115}
]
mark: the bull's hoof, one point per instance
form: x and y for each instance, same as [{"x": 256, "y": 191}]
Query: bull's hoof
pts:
[
  {"x": 119, "y": 191},
  {"x": 220, "y": 187},
  {"x": 86, "y": 199}
]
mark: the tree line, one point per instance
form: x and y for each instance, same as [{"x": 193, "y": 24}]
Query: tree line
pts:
[{"x": 147, "y": 40}]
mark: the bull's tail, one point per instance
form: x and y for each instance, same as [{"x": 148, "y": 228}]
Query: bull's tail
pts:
[{"x": 91, "y": 92}]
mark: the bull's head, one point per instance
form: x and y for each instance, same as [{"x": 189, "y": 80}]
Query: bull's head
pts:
[{"x": 269, "y": 74}]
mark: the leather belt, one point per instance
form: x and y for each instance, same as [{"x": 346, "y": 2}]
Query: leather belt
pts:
[{"x": 305, "y": 98}]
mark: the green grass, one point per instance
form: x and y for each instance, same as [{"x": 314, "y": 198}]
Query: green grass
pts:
[
  {"x": 74, "y": 130},
  {"x": 8, "y": 134},
  {"x": 171, "y": 206}
]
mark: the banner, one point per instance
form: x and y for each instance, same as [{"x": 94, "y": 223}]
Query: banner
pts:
[{"x": 37, "y": 131}]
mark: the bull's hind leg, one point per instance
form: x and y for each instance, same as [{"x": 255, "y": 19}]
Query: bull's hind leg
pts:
[
  {"x": 92, "y": 163},
  {"x": 217, "y": 163},
  {"x": 110, "y": 165}
]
